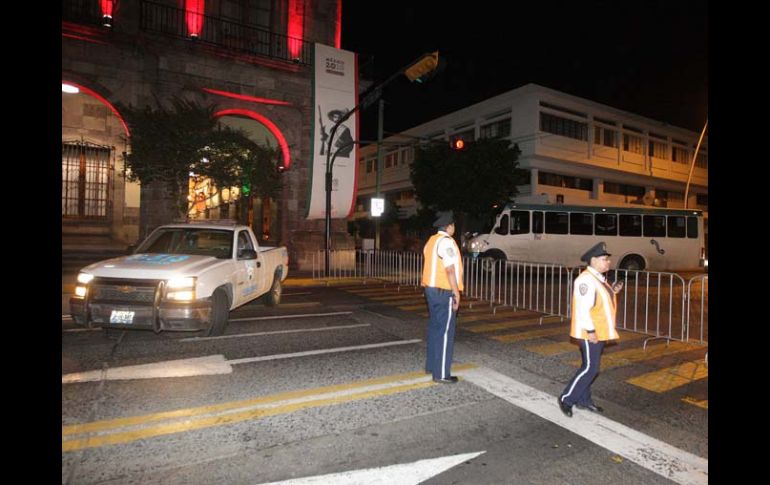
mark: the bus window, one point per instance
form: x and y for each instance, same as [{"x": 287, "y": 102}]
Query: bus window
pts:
[
  {"x": 519, "y": 222},
  {"x": 581, "y": 223},
  {"x": 630, "y": 225},
  {"x": 537, "y": 222},
  {"x": 606, "y": 225},
  {"x": 502, "y": 228},
  {"x": 654, "y": 226},
  {"x": 556, "y": 222},
  {"x": 692, "y": 227},
  {"x": 676, "y": 227}
]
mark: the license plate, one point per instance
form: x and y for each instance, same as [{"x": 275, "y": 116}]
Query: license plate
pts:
[{"x": 118, "y": 316}]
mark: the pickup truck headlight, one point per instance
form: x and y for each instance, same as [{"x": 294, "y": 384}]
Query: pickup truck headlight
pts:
[
  {"x": 182, "y": 289},
  {"x": 83, "y": 280}
]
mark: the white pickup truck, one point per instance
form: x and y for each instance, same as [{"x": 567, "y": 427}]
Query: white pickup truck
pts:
[{"x": 182, "y": 277}]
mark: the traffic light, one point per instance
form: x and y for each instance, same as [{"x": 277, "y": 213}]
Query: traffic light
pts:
[
  {"x": 420, "y": 70},
  {"x": 246, "y": 189},
  {"x": 457, "y": 144}
]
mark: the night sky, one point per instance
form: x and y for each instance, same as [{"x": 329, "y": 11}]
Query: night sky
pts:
[{"x": 649, "y": 58}]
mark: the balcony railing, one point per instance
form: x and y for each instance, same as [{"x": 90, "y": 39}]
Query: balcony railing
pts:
[
  {"x": 81, "y": 12},
  {"x": 233, "y": 36}
]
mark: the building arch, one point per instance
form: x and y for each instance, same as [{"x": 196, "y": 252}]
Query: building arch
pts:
[{"x": 276, "y": 132}]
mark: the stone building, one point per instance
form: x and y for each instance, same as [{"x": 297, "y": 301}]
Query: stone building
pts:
[{"x": 252, "y": 58}]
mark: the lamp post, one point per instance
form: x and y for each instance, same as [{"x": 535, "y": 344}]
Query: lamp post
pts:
[
  {"x": 418, "y": 70},
  {"x": 692, "y": 165}
]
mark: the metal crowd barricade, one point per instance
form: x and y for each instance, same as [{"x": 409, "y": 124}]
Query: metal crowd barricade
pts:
[
  {"x": 697, "y": 308},
  {"x": 400, "y": 268}
]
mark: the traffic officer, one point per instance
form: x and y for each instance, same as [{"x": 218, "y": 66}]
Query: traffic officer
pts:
[
  {"x": 593, "y": 323},
  {"x": 442, "y": 277}
]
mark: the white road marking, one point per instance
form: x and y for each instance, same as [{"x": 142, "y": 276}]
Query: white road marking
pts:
[
  {"x": 275, "y": 332},
  {"x": 403, "y": 474},
  {"x": 209, "y": 365},
  {"x": 322, "y": 351},
  {"x": 279, "y": 317},
  {"x": 662, "y": 458}
]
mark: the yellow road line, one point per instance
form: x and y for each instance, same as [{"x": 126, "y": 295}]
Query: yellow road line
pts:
[
  {"x": 671, "y": 377},
  {"x": 198, "y": 423},
  {"x": 704, "y": 403},
  {"x": 501, "y": 314},
  {"x": 104, "y": 425},
  {"x": 516, "y": 337},
  {"x": 630, "y": 356}
]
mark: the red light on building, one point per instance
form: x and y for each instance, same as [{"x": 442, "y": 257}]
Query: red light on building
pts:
[
  {"x": 194, "y": 10},
  {"x": 296, "y": 29},
  {"x": 106, "y": 7}
]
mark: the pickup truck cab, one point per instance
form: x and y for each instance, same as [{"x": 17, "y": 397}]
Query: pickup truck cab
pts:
[{"x": 183, "y": 277}]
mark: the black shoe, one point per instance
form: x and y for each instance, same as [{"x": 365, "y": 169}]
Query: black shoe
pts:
[
  {"x": 565, "y": 408},
  {"x": 591, "y": 407},
  {"x": 448, "y": 380}
]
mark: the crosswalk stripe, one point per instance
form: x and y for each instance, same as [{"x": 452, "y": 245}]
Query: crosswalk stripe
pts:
[
  {"x": 671, "y": 377},
  {"x": 701, "y": 403},
  {"x": 557, "y": 348},
  {"x": 508, "y": 324},
  {"x": 516, "y": 337},
  {"x": 627, "y": 357}
]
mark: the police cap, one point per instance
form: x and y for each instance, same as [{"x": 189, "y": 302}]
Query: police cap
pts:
[
  {"x": 444, "y": 218},
  {"x": 596, "y": 251}
]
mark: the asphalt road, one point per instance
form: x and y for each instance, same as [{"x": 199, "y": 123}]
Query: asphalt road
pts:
[{"x": 332, "y": 382}]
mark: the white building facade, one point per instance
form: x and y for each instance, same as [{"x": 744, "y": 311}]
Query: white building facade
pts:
[{"x": 577, "y": 151}]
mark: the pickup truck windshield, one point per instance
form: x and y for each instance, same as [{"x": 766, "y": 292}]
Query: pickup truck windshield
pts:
[{"x": 177, "y": 240}]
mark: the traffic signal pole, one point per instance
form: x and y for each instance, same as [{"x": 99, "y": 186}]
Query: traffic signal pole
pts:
[
  {"x": 415, "y": 71},
  {"x": 380, "y": 130}
]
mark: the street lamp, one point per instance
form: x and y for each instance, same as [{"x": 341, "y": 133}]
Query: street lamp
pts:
[
  {"x": 419, "y": 70},
  {"x": 692, "y": 165}
]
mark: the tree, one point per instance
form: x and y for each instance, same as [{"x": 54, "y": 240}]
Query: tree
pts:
[
  {"x": 471, "y": 182},
  {"x": 231, "y": 159},
  {"x": 165, "y": 145}
]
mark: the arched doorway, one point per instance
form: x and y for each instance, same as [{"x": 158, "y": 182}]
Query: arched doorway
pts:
[{"x": 210, "y": 202}]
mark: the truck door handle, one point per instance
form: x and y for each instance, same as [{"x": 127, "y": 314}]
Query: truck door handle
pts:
[{"x": 259, "y": 265}]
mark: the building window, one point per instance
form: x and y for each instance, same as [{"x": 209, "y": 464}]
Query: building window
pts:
[
  {"x": 680, "y": 155},
  {"x": 702, "y": 200},
  {"x": 369, "y": 166},
  {"x": 556, "y": 180},
  {"x": 703, "y": 159},
  {"x": 605, "y": 136},
  {"x": 563, "y": 127},
  {"x": 86, "y": 178},
  {"x": 633, "y": 143},
  {"x": 658, "y": 149},
  {"x": 498, "y": 129},
  {"x": 623, "y": 189}
]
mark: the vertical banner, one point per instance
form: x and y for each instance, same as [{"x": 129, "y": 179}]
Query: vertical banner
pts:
[{"x": 335, "y": 93}]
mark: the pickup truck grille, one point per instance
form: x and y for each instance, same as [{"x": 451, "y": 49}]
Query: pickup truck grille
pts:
[{"x": 140, "y": 292}]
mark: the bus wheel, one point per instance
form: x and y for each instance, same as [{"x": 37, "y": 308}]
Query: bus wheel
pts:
[
  {"x": 632, "y": 263},
  {"x": 490, "y": 259}
]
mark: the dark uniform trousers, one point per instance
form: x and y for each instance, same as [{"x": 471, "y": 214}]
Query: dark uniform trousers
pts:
[
  {"x": 441, "y": 332},
  {"x": 578, "y": 391}
]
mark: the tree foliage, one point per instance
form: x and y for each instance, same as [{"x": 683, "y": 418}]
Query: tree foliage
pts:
[
  {"x": 169, "y": 143},
  {"x": 470, "y": 182}
]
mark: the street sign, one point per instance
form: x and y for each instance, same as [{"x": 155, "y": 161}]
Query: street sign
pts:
[{"x": 378, "y": 206}]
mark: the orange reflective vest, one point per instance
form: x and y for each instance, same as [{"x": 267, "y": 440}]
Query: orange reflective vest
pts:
[
  {"x": 433, "y": 271},
  {"x": 602, "y": 312}
]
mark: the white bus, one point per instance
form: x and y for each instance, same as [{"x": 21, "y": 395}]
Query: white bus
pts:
[{"x": 639, "y": 239}]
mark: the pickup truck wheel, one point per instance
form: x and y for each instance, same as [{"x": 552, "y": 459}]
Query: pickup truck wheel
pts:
[
  {"x": 273, "y": 297},
  {"x": 220, "y": 311}
]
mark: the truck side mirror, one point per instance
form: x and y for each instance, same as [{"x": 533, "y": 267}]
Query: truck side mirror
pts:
[{"x": 247, "y": 254}]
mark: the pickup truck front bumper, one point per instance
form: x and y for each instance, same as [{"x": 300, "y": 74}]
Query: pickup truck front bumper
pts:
[
  {"x": 189, "y": 317},
  {"x": 113, "y": 304}
]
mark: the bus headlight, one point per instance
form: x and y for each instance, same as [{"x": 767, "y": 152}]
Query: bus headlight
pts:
[{"x": 181, "y": 289}]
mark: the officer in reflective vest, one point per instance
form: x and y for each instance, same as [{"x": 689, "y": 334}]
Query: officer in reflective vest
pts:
[
  {"x": 442, "y": 277},
  {"x": 593, "y": 324}
]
